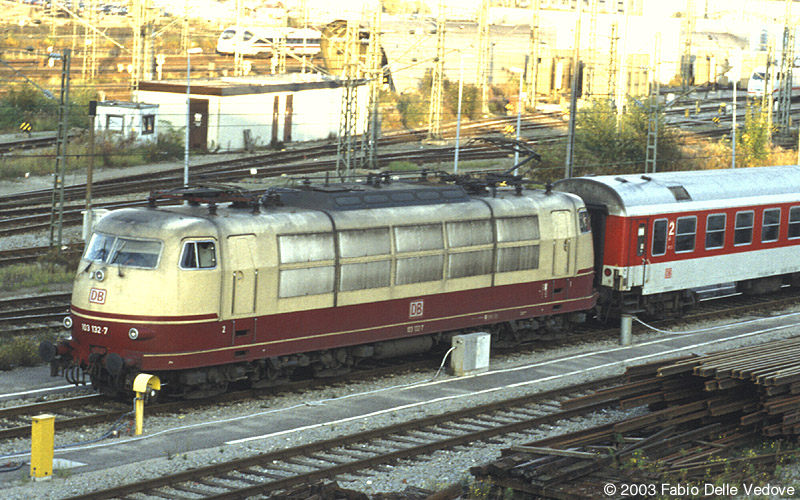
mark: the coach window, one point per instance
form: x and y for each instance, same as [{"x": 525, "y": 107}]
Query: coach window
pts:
[
  {"x": 743, "y": 231},
  {"x": 659, "y": 237},
  {"x": 770, "y": 225},
  {"x": 198, "y": 255},
  {"x": 794, "y": 222},
  {"x": 715, "y": 231},
  {"x": 685, "y": 232}
]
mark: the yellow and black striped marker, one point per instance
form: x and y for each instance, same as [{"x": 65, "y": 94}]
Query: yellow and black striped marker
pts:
[{"x": 26, "y": 127}]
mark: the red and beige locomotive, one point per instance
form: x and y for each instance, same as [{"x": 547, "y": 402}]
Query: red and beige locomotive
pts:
[
  {"x": 321, "y": 277},
  {"x": 318, "y": 277}
]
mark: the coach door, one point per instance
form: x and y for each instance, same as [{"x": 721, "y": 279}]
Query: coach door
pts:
[
  {"x": 563, "y": 241},
  {"x": 243, "y": 275},
  {"x": 637, "y": 253}
]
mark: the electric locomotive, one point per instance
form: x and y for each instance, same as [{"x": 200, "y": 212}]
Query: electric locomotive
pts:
[{"x": 249, "y": 289}]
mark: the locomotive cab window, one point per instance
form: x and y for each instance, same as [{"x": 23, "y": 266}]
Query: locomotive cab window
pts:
[
  {"x": 659, "y": 237},
  {"x": 198, "y": 255},
  {"x": 107, "y": 249},
  {"x": 715, "y": 231},
  {"x": 685, "y": 234},
  {"x": 743, "y": 231},
  {"x": 794, "y": 222},
  {"x": 770, "y": 225}
]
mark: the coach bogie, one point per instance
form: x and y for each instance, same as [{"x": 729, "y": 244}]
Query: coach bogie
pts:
[{"x": 760, "y": 286}]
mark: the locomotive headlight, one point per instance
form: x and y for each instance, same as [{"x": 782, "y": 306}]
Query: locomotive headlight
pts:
[
  {"x": 133, "y": 333},
  {"x": 99, "y": 275},
  {"x": 67, "y": 322}
]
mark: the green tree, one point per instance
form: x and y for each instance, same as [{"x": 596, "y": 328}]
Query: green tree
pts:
[
  {"x": 753, "y": 140},
  {"x": 610, "y": 143}
]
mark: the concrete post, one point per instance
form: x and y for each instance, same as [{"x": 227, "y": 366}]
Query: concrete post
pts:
[{"x": 626, "y": 325}]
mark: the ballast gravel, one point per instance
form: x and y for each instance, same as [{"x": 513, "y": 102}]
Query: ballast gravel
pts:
[{"x": 431, "y": 473}]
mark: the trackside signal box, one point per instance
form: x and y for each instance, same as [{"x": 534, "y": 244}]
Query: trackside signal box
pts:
[{"x": 470, "y": 353}]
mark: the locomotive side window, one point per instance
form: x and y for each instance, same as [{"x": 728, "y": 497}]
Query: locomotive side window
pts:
[
  {"x": 685, "y": 234},
  {"x": 419, "y": 269},
  {"x": 359, "y": 243},
  {"x": 364, "y": 242},
  {"x": 305, "y": 247},
  {"x": 198, "y": 255},
  {"x": 794, "y": 222},
  {"x": 416, "y": 238},
  {"x": 715, "y": 231},
  {"x": 363, "y": 275},
  {"x": 464, "y": 234},
  {"x": 517, "y": 258},
  {"x": 743, "y": 230},
  {"x": 464, "y": 264},
  {"x": 305, "y": 255},
  {"x": 469, "y": 233},
  {"x": 770, "y": 225},
  {"x": 305, "y": 281},
  {"x": 659, "y": 237},
  {"x": 517, "y": 229}
]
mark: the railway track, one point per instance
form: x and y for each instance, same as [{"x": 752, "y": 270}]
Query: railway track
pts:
[
  {"x": 18, "y": 314},
  {"x": 277, "y": 471},
  {"x": 708, "y": 310}
]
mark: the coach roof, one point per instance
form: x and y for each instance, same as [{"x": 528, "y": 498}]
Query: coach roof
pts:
[{"x": 639, "y": 194}]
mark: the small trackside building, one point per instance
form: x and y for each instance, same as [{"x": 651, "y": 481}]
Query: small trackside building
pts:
[
  {"x": 659, "y": 237},
  {"x": 235, "y": 114},
  {"x": 128, "y": 119}
]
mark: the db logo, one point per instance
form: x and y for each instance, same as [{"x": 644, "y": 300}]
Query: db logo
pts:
[
  {"x": 97, "y": 296},
  {"x": 415, "y": 311}
]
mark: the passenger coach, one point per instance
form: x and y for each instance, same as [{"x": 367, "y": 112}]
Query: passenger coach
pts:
[{"x": 658, "y": 237}]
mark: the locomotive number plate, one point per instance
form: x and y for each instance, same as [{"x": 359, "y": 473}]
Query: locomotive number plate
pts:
[
  {"x": 96, "y": 329},
  {"x": 97, "y": 296}
]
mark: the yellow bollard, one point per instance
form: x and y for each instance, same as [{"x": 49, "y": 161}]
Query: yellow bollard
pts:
[
  {"x": 42, "y": 447},
  {"x": 142, "y": 384}
]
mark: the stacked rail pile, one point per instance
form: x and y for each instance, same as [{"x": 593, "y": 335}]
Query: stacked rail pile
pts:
[{"x": 701, "y": 409}]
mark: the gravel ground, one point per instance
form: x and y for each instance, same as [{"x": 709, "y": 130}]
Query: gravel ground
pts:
[{"x": 442, "y": 469}]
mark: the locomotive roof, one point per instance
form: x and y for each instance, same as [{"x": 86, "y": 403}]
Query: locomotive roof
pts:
[
  {"x": 354, "y": 196},
  {"x": 638, "y": 194}
]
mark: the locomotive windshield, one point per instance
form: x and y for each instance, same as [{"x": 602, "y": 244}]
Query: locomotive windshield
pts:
[{"x": 108, "y": 249}]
